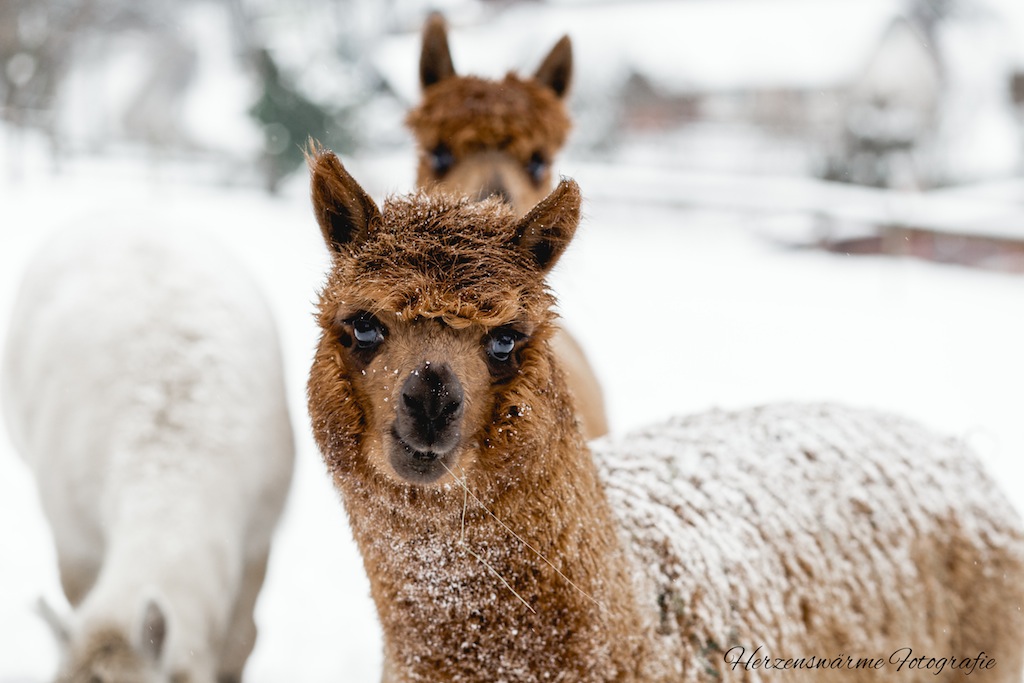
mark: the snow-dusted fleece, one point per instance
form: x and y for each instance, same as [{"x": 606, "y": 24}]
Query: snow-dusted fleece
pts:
[{"x": 816, "y": 542}]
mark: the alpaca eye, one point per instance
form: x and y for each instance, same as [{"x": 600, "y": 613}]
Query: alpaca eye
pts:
[
  {"x": 501, "y": 344},
  {"x": 537, "y": 167},
  {"x": 441, "y": 160},
  {"x": 368, "y": 332}
]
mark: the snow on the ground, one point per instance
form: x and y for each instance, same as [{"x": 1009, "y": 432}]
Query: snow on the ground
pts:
[{"x": 679, "y": 308}]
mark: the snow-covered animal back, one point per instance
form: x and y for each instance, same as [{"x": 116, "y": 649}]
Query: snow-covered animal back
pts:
[
  {"x": 499, "y": 548},
  {"x": 143, "y": 386},
  {"x": 481, "y": 138},
  {"x": 817, "y": 532}
]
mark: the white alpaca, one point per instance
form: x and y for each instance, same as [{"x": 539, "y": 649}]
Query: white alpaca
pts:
[{"x": 142, "y": 384}]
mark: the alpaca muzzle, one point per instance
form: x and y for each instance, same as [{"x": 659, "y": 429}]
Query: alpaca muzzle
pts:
[
  {"x": 495, "y": 187},
  {"x": 427, "y": 427}
]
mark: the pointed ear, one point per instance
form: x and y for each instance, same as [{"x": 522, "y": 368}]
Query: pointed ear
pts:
[
  {"x": 435, "y": 58},
  {"x": 58, "y": 625},
  {"x": 152, "y": 631},
  {"x": 547, "y": 229},
  {"x": 556, "y": 70},
  {"x": 342, "y": 208}
]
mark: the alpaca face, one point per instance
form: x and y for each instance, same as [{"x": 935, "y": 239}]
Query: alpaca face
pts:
[
  {"x": 115, "y": 665},
  {"x": 482, "y": 172},
  {"x": 107, "y": 655},
  {"x": 423, "y": 386},
  {"x": 434, "y": 316},
  {"x": 481, "y": 138}
]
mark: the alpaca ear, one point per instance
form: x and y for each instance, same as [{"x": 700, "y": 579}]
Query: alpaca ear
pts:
[
  {"x": 435, "y": 59},
  {"x": 153, "y": 631},
  {"x": 343, "y": 209},
  {"x": 556, "y": 70},
  {"x": 547, "y": 229},
  {"x": 58, "y": 625}
]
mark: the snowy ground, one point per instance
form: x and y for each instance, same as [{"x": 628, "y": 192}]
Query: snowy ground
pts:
[{"x": 679, "y": 308}]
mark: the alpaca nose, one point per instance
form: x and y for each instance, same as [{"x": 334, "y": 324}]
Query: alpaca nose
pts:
[
  {"x": 430, "y": 411},
  {"x": 495, "y": 186}
]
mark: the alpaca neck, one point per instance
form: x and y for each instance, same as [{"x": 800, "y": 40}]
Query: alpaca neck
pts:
[{"x": 474, "y": 581}]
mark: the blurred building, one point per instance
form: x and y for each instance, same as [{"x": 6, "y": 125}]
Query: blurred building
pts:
[{"x": 908, "y": 94}]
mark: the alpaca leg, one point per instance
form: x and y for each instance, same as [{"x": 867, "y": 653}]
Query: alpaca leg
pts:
[
  {"x": 241, "y": 636},
  {"x": 388, "y": 674}
]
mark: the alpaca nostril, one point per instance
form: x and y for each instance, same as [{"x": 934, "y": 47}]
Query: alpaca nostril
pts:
[
  {"x": 453, "y": 402},
  {"x": 494, "y": 187},
  {"x": 412, "y": 403},
  {"x": 503, "y": 194},
  {"x": 498, "y": 191}
]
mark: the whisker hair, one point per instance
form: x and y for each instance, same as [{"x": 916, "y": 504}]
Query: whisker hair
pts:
[
  {"x": 500, "y": 578},
  {"x": 462, "y": 541},
  {"x": 465, "y": 504},
  {"x": 517, "y": 537}
]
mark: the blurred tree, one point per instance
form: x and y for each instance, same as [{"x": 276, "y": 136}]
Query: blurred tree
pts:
[
  {"x": 927, "y": 15},
  {"x": 36, "y": 46},
  {"x": 289, "y": 119}
]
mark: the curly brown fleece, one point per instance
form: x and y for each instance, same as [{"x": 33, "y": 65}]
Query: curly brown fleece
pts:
[
  {"x": 440, "y": 258},
  {"x": 469, "y": 114}
]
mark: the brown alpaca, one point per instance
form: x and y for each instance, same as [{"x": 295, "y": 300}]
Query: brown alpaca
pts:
[
  {"x": 499, "y": 548},
  {"x": 479, "y": 138}
]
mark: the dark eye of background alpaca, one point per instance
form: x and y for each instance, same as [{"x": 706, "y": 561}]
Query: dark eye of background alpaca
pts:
[
  {"x": 441, "y": 160},
  {"x": 537, "y": 166}
]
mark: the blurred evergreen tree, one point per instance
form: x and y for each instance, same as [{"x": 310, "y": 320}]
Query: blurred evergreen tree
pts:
[{"x": 289, "y": 118}]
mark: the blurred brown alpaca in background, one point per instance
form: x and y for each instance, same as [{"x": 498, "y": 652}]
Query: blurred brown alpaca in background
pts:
[{"x": 480, "y": 138}]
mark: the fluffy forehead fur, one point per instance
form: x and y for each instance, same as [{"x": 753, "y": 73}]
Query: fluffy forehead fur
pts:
[
  {"x": 469, "y": 114},
  {"x": 439, "y": 257}
]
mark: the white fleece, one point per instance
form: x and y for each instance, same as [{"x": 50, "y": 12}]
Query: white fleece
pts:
[{"x": 143, "y": 385}]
